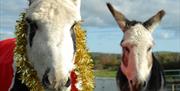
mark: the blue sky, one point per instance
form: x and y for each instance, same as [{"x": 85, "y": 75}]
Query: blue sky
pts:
[{"x": 103, "y": 34}]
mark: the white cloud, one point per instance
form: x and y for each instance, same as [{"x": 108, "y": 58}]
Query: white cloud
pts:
[
  {"x": 6, "y": 34},
  {"x": 166, "y": 35},
  {"x": 96, "y": 14},
  {"x": 9, "y": 13},
  {"x": 12, "y": 6},
  {"x": 94, "y": 11},
  {"x": 7, "y": 22}
]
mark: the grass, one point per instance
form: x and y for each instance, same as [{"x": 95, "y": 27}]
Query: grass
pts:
[{"x": 105, "y": 73}]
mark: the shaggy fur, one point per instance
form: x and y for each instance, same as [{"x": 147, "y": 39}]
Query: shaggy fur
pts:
[
  {"x": 138, "y": 65},
  {"x": 50, "y": 47},
  {"x": 155, "y": 82},
  {"x": 137, "y": 39}
]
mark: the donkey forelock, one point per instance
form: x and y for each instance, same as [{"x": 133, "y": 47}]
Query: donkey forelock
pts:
[
  {"x": 136, "y": 45},
  {"x": 50, "y": 47}
]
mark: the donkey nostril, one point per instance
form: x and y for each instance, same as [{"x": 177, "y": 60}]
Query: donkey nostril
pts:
[
  {"x": 68, "y": 83},
  {"x": 45, "y": 79},
  {"x": 131, "y": 81},
  {"x": 144, "y": 84}
]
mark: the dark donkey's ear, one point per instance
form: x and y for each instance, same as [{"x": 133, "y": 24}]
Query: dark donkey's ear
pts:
[
  {"x": 119, "y": 17},
  {"x": 154, "y": 21}
]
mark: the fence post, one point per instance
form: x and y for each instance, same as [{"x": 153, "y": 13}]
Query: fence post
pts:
[{"x": 173, "y": 88}]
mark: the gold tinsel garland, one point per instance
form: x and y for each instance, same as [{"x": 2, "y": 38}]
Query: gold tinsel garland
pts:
[
  {"x": 28, "y": 74},
  {"x": 83, "y": 62}
]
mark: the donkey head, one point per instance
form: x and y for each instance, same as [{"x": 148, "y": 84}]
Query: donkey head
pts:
[
  {"x": 50, "y": 46},
  {"x": 136, "y": 45}
]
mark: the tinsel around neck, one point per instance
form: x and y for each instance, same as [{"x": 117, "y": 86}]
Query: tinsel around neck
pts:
[{"x": 83, "y": 62}]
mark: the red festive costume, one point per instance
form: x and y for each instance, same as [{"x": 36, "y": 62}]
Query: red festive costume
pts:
[{"x": 6, "y": 65}]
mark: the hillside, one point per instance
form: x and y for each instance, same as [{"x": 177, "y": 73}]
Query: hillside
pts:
[{"x": 106, "y": 61}]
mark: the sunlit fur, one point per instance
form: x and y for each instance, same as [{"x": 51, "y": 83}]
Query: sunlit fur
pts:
[
  {"x": 139, "y": 70},
  {"x": 52, "y": 45},
  {"x": 138, "y": 40}
]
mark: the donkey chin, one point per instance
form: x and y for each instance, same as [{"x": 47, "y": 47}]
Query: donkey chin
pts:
[
  {"x": 137, "y": 79},
  {"x": 139, "y": 82},
  {"x": 54, "y": 78}
]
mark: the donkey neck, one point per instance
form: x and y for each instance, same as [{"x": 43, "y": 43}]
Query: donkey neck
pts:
[{"x": 156, "y": 81}]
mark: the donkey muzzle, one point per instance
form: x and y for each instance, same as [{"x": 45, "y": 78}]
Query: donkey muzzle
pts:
[
  {"x": 57, "y": 86},
  {"x": 137, "y": 85}
]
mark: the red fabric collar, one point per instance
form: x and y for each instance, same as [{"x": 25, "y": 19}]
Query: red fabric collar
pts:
[{"x": 6, "y": 63}]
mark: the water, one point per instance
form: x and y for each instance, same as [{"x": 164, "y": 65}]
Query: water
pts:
[{"x": 105, "y": 84}]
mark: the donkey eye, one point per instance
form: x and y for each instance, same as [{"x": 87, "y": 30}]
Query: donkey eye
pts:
[
  {"x": 149, "y": 48},
  {"x": 28, "y": 20},
  {"x": 126, "y": 49},
  {"x": 31, "y": 24},
  {"x": 32, "y": 27}
]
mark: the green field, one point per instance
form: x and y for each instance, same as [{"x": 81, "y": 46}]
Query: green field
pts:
[{"x": 105, "y": 73}]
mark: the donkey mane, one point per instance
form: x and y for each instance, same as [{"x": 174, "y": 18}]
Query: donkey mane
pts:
[
  {"x": 157, "y": 76},
  {"x": 132, "y": 23},
  {"x": 51, "y": 43}
]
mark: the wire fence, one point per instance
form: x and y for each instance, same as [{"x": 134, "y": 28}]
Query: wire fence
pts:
[{"x": 172, "y": 80}]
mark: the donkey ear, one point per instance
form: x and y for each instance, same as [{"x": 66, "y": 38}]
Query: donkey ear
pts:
[
  {"x": 119, "y": 17},
  {"x": 152, "y": 23},
  {"x": 30, "y": 2},
  {"x": 76, "y": 2}
]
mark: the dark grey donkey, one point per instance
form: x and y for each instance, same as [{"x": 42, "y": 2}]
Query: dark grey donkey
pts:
[{"x": 139, "y": 70}]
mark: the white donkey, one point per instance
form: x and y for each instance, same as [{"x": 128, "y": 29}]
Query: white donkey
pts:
[
  {"x": 51, "y": 46},
  {"x": 139, "y": 70}
]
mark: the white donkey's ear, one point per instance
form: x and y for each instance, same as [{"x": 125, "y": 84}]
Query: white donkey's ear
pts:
[
  {"x": 152, "y": 23},
  {"x": 76, "y": 2},
  {"x": 119, "y": 17},
  {"x": 30, "y": 1}
]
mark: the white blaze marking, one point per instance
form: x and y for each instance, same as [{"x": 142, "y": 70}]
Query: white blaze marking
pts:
[{"x": 138, "y": 39}]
